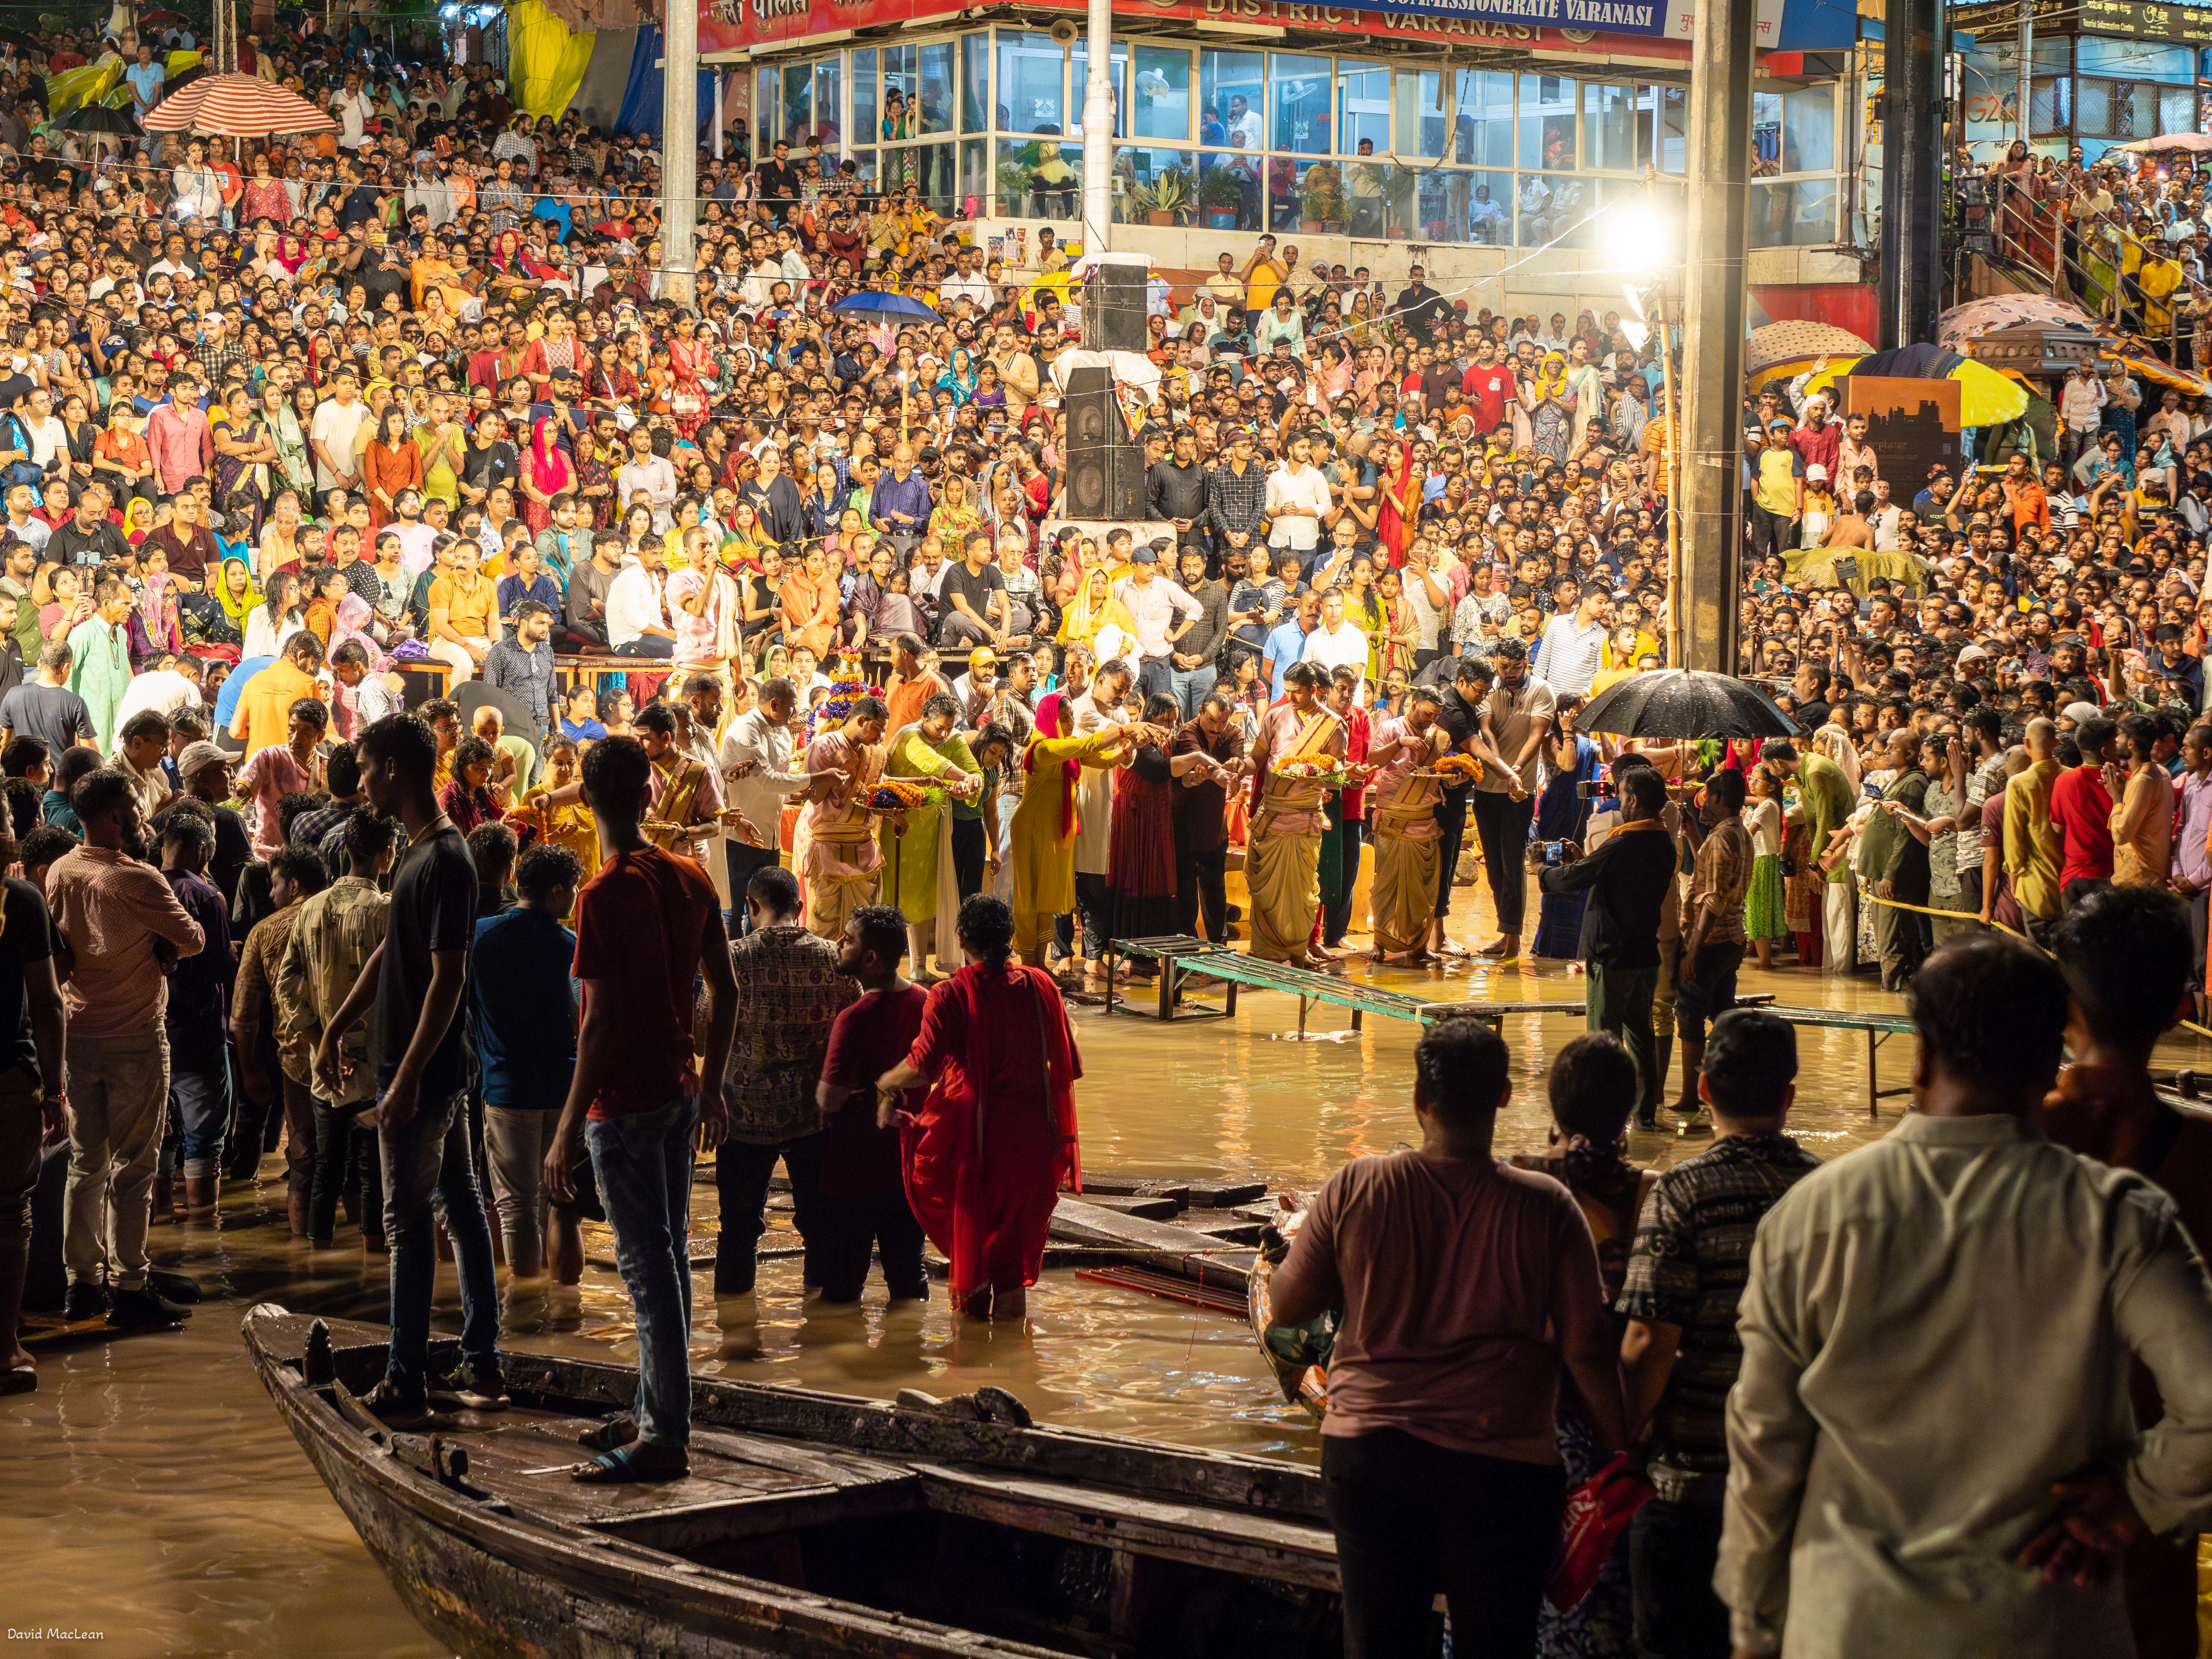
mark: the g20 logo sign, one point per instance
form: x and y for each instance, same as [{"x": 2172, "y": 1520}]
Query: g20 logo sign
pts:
[{"x": 1993, "y": 109}]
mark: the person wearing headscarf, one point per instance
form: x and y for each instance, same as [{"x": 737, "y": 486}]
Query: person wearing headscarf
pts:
[
  {"x": 546, "y": 472},
  {"x": 1398, "y": 503},
  {"x": 1093, "y": 610},
  {"x": 1042, "y": 846},
  {"x": 1551, "y": 409},
  {"x": 960, "y": 375},
  {"x": 235, "y": 592}
]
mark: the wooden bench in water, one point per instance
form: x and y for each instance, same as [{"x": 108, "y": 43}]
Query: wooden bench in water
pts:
[{"x": 810, "y": 1524}]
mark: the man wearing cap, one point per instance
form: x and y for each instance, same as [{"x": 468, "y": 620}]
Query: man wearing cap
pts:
[{"x": 1163, "y": 614}]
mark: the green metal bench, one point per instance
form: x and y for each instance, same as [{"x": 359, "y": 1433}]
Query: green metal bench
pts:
[
  {"x": 1181, "y": 955},
  {"x": 1879, "y": 1029}
]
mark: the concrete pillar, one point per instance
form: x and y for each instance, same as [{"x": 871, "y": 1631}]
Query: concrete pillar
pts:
[
  {"x": 1713, "y": 312},
  {"x": 680, "y": 152}
]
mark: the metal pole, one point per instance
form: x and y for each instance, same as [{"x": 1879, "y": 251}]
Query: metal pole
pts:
[
  {"x": 1676, "y": 618},
  {"x": 2026, "y": 49},
  {"x": 680, "y": 154},
  {"x": 1719, "y": 229},
  {"x": 719, "y": 79},
  {"x": 1098, "y": 128},
  {"x": 1912, "y": 220}
]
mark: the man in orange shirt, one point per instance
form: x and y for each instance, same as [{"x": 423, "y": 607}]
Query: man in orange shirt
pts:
[
  {"x": 264, "y": 716},
  {"x": 2030, "y": 507}
]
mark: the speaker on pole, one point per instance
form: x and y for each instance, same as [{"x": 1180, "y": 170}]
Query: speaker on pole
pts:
[
  {"x": 1114, "y": 305},
  {"x": 1105, "y": 469}
]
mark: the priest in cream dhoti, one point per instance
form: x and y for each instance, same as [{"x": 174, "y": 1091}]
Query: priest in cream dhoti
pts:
[
  {"x": 1401, "y": 817},
  {"x": 834, "y": 848},
  {"x": 1282, "y": 859}
]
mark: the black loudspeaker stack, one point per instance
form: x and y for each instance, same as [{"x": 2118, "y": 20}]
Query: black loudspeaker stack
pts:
[
  {"x": 1105, "y": 469},
  {"x": 1114, "y": 307}
]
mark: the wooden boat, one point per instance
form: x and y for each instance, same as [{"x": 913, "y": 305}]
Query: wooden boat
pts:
[
  {"x": 811, "y": 1523},
  {"x": 1297, "y": 1354}
]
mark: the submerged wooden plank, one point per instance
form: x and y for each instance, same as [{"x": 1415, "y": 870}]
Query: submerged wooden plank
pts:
[
  {"x": 1144, "y": 1209},
  {"x": 1152, "y": 1243}
]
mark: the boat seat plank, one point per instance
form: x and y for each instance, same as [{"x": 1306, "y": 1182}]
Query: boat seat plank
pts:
[{"x": 1243, "y": 1540}]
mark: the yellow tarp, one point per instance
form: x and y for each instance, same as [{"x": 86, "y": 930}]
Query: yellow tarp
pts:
[{"x": 545, "y": 60}]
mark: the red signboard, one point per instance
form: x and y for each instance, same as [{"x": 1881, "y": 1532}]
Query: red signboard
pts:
[{"x": 726, "y": 24}]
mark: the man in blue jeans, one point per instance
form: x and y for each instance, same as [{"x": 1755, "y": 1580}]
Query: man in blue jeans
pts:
[
  {"x": 646, "y": 925},
  {"x": 416, "y": 978}
]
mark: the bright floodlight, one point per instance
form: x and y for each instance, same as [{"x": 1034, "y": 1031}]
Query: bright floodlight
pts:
[{"x": 1639, "y": 236}]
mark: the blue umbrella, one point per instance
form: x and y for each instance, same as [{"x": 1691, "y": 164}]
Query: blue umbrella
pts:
[
  {"x": 874, "y": 302},
  {"x": 225, "y": 701}
]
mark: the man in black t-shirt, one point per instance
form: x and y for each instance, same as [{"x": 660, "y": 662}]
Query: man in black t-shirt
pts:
[
  {"x": 416, "y": 979},
  {"x": 972, "y": 597},
  {"x": 31, "y": 1032},
  {"x": 777, "y": 181}
]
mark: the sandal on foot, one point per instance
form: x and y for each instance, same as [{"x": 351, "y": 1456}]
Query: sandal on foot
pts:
[
  {"x": 622, "y": 1468},
  {"x": 25, "y": 1381},
  {"x": 614, "y": 1432}
]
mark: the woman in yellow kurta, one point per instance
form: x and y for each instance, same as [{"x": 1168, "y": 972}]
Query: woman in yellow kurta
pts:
[
  {"x": 927, "y": 891},
  {"x": 1042, "y": 851}
]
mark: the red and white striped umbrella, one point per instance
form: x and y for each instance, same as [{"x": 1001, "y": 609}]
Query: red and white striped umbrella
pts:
[{"x": 237, "y": 107}]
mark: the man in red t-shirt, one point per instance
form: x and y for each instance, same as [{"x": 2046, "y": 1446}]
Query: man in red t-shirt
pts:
[
  {"x": 645, "y": 924},
  {"x": 863, "y": 1203},
  {"x": 1488, "y": 385},
  {"x": 2083, "y": 813}
]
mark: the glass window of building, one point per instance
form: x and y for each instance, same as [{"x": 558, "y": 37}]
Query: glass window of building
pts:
[
  {"x": 937, "y": 83},
  {"x": 1299, "y": 110},
  {"x": 1794, "y": 131},
  {"x": 1362, "y": 107},
  {"x": 1163, "y": 92},
  {"x": 1489, "y": 210},
  {"x": 798, "y": 105},
  {"x": 974, "y": 83},
  {"x": 866, "y": 111},
  {"x": 1031, "y": 92},
  {"x": 1609, "y": 126},
  {"x": 1229, "y": 191},
  {"x": 1038, "y": 177},
  {"x": 2134, "y": 60},
  {"x": 1154, "y": 187},
  {"x": 1231, "y": 94},
  {"x": 2177, "y": 109},
  {"x": 2051, "y": 104},
  {"x": 829, "y": 106},
  {"x": 1799, "y": 215},
  {"x": 1548, "y": 122},
  {"x": 1078, "y": 83}
]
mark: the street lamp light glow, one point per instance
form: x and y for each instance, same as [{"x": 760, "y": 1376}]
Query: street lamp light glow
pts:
[{"x": 1639, "y": 236}]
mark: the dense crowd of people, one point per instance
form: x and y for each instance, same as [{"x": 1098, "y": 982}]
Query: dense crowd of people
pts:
[{"x": 457, "y": 697}]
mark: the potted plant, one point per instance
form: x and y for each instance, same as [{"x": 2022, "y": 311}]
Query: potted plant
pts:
[
  {"x": 1222, "y": 197},
  {"x": 1013, "y": 179},
  {"x": 1173, "y": 192},
  {"x": 1399, "y": 192}
]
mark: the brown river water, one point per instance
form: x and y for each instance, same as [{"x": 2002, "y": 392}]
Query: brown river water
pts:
[{"x": 153, "y": 1501}]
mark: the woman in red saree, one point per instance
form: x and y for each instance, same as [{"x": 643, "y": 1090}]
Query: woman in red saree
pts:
[
  {"x": 1399, "y": 500},
  {"x": 994, "y": 1143},
  {"x": 546, "y": 472}
]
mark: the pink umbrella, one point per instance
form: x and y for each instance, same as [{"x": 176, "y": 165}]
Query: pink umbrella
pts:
[{"x": 1978, "y": 317}]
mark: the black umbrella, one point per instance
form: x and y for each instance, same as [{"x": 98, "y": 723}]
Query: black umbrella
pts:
[
  {"x": 179, "y": 83},
  {"x": 1683, "y": 703},
  {"x": 475, "y": 694},
  {"x": 98, "y": 118}
]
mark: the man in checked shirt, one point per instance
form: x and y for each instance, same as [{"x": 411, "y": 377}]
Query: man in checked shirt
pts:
[{"x": 1712, "y": 930}]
